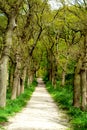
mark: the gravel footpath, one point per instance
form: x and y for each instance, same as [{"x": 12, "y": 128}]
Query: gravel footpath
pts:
[{"x": 41, "y": 113}]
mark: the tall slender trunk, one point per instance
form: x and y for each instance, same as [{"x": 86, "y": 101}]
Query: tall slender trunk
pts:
[
  {"x": 21, "y": 85},
  {"x": 4, "y": 61},
  {"x": 84, "y": 90},
  {"x": 77, "y": 91},
  {"x": 77, "y": 85},
  {"x": 3, "y": 80},
  {"x": 18, "y": 87},
  {"x": 50, "y": 67},
  {"x": 16, "y": 82},
  {"x": 63, "y": 77},
  {"x": 31, "y": 78},
  {"x": 22, "y": 80},
  {"x": 84, "y": 77},
  {"x": 64, "y": 73},
  {"x": 11, "y": 74},
  {"x": 54, "y": 74}
]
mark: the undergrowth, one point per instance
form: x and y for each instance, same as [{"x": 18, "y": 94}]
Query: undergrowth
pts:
[
  {"x": 63, "y": 96},
  {"x": 16, "y": 105}
]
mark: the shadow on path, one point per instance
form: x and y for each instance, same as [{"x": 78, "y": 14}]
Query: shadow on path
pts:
[{"x": 41, "y": 113}]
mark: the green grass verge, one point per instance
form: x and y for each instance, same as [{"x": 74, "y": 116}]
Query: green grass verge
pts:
[
  {"x": 16, "y": 105},
  {"x": 63, "y": 96}
]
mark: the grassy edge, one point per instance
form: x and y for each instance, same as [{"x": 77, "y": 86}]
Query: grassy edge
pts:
[
  {"x": 14, "y": 106},
  {"x": 52, "y": 91},
  {"x": 63, "y": 96}
]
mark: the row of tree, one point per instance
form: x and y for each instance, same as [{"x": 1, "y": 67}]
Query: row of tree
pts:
[
  {"x": 36, "y": 40},
  {"x": 20, "y": 31}
]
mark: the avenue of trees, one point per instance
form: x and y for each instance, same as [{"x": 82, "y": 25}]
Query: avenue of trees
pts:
[{"x": 36, "y": 40}]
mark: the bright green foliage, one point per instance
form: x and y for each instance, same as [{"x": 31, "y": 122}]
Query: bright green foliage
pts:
[
  {"x": 3, "y": 21},
  {"x": 44, "y": 40}
]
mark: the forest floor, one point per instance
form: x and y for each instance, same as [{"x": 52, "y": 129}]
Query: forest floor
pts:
[{"x": 41, "y": 113}]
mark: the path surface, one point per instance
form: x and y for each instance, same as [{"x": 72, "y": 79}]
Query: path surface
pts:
[{"x": 41, "y": 113}]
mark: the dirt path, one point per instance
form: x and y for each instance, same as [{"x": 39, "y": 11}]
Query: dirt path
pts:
[{"x": 41, "y": 113}]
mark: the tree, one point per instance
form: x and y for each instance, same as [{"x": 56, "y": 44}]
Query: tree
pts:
[
  {"x": 80, "y": 71},
  {"x": 10, "y": 10}
]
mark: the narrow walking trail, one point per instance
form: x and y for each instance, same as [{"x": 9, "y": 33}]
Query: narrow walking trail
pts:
[{"x": 41, "y": 113}]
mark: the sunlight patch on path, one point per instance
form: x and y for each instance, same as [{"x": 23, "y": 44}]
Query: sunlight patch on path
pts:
[{"x": 41, "y": 113}]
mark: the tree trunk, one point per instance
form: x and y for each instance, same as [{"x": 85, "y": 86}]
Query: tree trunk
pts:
[
  {"x": 22, "y": 85},
  {"x": 84, "y": 89},
  {"x": 18, "y": 87},
  {"x": 50, "y": 74},
  {"x": 63, "y": 77},
  {"x": 22, "y": 80},
  {"x": 77, "y": 91},
  {"x": 4, "y": 62},
  {"x": 11, "y": 74},
  {"x": 30, "y": 78},
  {"x": 16, "y": 83},
  {"x": 54, "y": 74},
  {"x": 77, "y": 85},
  {"x": 3, "y": 80},
  {"x": 84, "y": 76},
  {"x": 50, "y": 67}
]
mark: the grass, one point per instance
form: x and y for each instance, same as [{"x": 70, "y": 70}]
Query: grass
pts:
[
  {"x": 16, "y": 105},
  {"x": 63, "y": 96},
  {"x": 1, "y": 128}
]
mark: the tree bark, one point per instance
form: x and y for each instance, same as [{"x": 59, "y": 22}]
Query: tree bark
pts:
[
  {"x": 22, "y": 80},
  {"x": 11, "y": 74},
  {"x": 18, "y": 87},
  {"x": 3, "y": 80},
  {"x": 4, "y": 62},
  {"x": 63, "y": 77},
  {"x": 77, "y": 85},
  {"x": 84, "y": 77},
  {"x": 31, "y": 78},
  {"x": 84, "y": 89},
  {"x": 77, "y": 91},
  {"x": 16, "y": 83}
]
